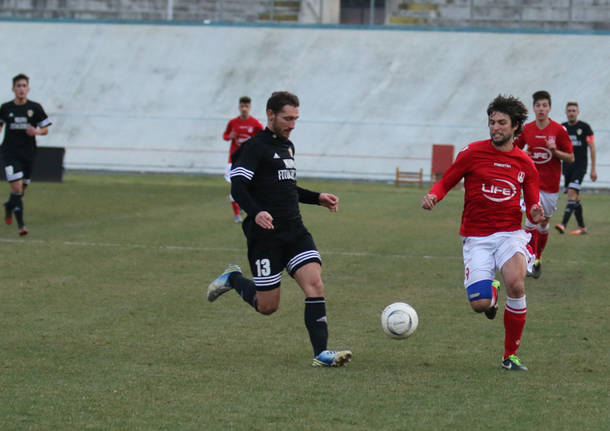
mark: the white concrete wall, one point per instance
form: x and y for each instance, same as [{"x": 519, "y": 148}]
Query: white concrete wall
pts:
[{"x": 157, "y": 98}]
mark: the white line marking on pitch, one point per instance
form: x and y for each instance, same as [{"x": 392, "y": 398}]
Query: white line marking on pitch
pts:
[
  {"x": 189, "y": 248},
  {"x": 233, "y": 250}
]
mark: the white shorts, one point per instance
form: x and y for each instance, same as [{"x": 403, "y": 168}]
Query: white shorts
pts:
[
  {"x": 549, "y": 203},
  {"x": 484, "y": 254},
  {"x": 227, "y": 172}
]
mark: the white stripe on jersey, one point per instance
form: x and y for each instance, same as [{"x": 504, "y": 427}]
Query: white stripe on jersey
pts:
[
  {"x": 44, "y": 123},
  {"x": 241, "y": 172},
  {"x": 306, "y": 255},
  {"x": 268, "y": 280}
]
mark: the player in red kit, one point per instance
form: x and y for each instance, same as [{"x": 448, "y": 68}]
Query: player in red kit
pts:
[
  {"x": 548, "y": 144},
  {"x": 495, "y": 172},
  {"x": 238, "y": 131}
]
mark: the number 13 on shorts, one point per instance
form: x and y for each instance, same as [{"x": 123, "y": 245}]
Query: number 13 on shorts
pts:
[{"x": 263, "y": 267}]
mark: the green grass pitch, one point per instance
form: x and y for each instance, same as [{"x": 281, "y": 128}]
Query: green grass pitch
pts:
[{"x": 104, "y": 323}]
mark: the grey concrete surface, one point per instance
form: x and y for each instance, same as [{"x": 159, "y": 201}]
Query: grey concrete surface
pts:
[{"x": 157, "y": 98}]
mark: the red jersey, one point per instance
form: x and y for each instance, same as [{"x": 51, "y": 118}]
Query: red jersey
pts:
[
  {"x": 549, "y": 167},
  {"x": 244, "y": 129},
  {"x": 493, "y": 181}
]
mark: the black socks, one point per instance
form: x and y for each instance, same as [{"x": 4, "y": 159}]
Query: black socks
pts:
[{"x": 315, "y": 321}]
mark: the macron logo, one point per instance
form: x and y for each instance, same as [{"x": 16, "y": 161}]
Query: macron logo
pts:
[
  {"x": 275, "y": 156},
  {"x": 322, "y": 319}
]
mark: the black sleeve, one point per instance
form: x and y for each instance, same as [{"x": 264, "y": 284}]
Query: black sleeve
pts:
[
  {"x": 241, "y": 194},
  {"x": 41, "y": 119},
  {"x": 308, "y": 197},
  {"x": 245, "y": 161}
]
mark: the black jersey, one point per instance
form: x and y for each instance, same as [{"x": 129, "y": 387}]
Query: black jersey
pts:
[
  {"x": 580, "y": 134},
  {"x": 264, "y": 177},
  {"x": 16, "y": 119}
]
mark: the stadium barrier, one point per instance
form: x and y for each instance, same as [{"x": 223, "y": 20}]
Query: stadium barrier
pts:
[{"x": 48, "y": 166}]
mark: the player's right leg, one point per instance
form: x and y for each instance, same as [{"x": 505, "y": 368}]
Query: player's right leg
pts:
[
  {"x": 11, "y": 176},
  {"x": 264, "y": 256},
  {"x": 234, "y": 205},
  {"x": 222, "y": 283},
  {"x": 479, "y": 274},
  {"x": 15, "y": 177},
  {"x": 573, "y": 185},
  {"x": 236, "y": 210},
  {"x": 574, "y": 193}
]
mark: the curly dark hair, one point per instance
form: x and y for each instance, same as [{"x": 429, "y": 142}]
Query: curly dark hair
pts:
[
  {"x": 512, "y": 107},
  {"x": 279, "y": 99}
]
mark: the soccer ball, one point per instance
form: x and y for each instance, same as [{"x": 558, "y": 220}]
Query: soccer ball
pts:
[{"x": 399, "y": 320}]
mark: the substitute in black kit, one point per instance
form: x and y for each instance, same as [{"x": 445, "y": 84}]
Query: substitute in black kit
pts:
[
  {"x": 263, "y": 182},
  {"x": 583, "y": 140},
  {"x": 24, "y": 120}
]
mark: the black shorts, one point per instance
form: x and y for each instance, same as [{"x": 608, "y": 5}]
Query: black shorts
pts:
[
  {"x": 17, "y": 167},
  {"x": 289, "y": 245},
  {"x": 574, "y": 175}
]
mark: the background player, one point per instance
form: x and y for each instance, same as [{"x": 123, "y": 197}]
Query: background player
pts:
[
  {"x": 239, "y": 130},
  {"x": 263, "y": 181},
  {"x": 548, "y": 144},
  {"x": 24, "y": 120},
  {"x": 582, "y": 138},
  {"x": 494, "y": 173}
]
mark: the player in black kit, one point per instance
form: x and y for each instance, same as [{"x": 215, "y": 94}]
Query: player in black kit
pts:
[
  {"x": 24, "y": 120},
  {"x": 574, "y": 173},
  {"x": 263, "y": 182}
]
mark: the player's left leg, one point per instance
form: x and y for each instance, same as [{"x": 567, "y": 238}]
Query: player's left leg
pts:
[
  {"x": 513, "y": 270},
  {"x": 549, "y": 204},
  {"x": 305, "y": 266},
  {"x": 309, "y": 278},
  {"x": 543, "y": 236}
]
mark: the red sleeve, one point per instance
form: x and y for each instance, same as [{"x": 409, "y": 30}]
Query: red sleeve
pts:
[
  {"x": 225, "y": 135},
  {"x": 531, "y": 194},
  {"x": 564, "y": 143},
  {"x": 452, "y": 175},
  {"x": 520, "y": 141}
]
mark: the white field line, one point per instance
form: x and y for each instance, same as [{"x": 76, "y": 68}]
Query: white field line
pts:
[
  {"x": 188, "y": 248},
  {"x": 232, "y": 250}
]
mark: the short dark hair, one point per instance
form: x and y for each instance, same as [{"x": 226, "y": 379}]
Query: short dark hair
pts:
[
  {"x": 279, "y": 99},
  {"x": 20, "y": 77},
  {"x": 245, "y": 99},
  {"x": 572, "y": 104},
  {"x": 512, "y": 107},
  {"x": 540, "y": 95}
]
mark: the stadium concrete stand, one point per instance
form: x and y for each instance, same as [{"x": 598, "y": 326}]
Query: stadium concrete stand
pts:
[
  {"x": 536, "y": 14},
  {"x": 155, "y": 97},
  {"x": 179, "y": 10}
]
